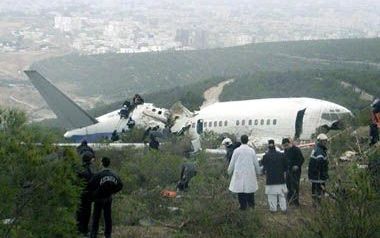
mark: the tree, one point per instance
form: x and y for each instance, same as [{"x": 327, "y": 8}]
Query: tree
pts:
[{"x": 39, "y": 188}]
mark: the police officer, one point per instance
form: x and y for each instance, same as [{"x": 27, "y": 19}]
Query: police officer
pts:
[
  {"x": 295, "y": 160},
  {"x": 318, "y": 168},
  {"x": 84, "y": 210},
  {"x": 104, "y": 184}
]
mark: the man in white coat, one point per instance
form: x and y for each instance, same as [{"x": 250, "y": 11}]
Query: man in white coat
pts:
[{"x": 244, "y": 167}]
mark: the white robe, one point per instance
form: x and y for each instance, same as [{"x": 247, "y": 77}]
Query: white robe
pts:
[{"x": 244, "y": 167}]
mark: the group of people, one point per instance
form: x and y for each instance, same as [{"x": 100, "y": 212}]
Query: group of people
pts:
[
  {"x": 281, "y": 168},
  {"x": 98, "y": 190}
]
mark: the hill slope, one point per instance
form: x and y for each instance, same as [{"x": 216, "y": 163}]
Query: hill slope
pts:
[{"x": 118, "y": 75}]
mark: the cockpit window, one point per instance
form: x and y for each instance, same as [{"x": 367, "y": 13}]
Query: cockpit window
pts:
[{"x": 330, "y": 116}]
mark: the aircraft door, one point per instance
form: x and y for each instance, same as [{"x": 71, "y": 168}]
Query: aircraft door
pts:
[
  {"x": 200, "y": 126},
  {"x": 299, "y": 123}
]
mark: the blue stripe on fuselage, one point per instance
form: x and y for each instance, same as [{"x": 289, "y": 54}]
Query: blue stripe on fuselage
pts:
[{"x": 91, "y": 138}]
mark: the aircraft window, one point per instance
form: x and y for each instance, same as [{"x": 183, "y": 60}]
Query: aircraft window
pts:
[
  {"x": 215, "y": 123},
  {"x": 159, "y": 112},
  {"x": 330, "y": 116},
  {"x": 262, "y": 122},
  {"x": 154, "y": 109},
  {"x": 237, "y": 122},
  {"x": 337, "y": 110},
  {"x": 204, "y": 124},
  {"x": 331, "y": 110},
  {"x": 334, "y": 116},
  {"x": 268, "y": 121},
  {"x": 210, "y": 124},
  {"x": 220, "y": 123},
  {"x": 326, "y": 116},
  {"x": 274, "y": 121},
  {"x": 225, "y": 123},
  {"x": 256, "y": 122},
  {"x": 242, "y": 122},
  {"x": 250, "y": 122},
  {"x": 193, "y": 125}
]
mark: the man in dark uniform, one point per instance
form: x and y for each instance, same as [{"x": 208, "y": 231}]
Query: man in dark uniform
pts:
[
  {"x": 84, "y": 147},
  {"x": 295, "y": 160},
  {"x": 84, "y": 210},
  {"x": 318, "y": 168},
  {"x": 103, "y": 185}
]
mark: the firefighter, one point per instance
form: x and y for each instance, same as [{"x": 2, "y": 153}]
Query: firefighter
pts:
[{"x": 318, "y": 168}]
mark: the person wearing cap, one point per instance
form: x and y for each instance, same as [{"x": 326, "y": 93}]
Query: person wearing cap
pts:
[
  {"x": 227, "y": 142},
  {"x": 244, "y": 167},
  {"x": 318, "y": 168},
  {"x": 103, "y": 185},
  {"x": 84, "y": 210},
  {"x": 295, "y": 160},
  {"x": 275, "y": 167}
]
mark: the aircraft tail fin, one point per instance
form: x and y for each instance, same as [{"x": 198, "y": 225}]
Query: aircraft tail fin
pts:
[{"x": 67, "y": 111}]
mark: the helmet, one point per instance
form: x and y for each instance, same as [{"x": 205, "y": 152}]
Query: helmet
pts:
[
  {"x": 322, "y": 137},
  {"x": 227, "y": 141}
]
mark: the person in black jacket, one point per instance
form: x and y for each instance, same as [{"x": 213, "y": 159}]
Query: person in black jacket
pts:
[
  {"x": 318, "y": 168},
  {"x": 275, "y": 166},
  {"x": 103, "y": 185},
  {"x": 295, "y": 160},
  {"x": 373, "y": 134},
  {"x": 84, "y": 210},
  {"x": 84, "y": 148}
]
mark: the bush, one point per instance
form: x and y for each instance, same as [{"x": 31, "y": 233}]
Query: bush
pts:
[
  {"x": 210, "y": 210},
  {"x": 39, "y": 188}
]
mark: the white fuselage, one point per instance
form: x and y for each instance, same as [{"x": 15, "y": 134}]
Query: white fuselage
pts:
[
  {"x": 272, "y": 118},
  {"x": 261, "y": 119}
]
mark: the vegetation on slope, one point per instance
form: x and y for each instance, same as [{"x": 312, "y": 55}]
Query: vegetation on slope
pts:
[
  {"x": 118, "y": 75},
  {"x": 40, "y": 191}
]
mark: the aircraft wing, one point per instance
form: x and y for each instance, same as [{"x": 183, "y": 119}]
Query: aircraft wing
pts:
[{"x": 68, "y": 112}]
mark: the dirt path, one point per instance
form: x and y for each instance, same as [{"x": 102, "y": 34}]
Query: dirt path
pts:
[
  {"x": 363, "y": 94},
  {"x": 212, "y": 94}
]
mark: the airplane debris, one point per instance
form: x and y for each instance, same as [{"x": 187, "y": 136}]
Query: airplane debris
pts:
[{"x": 348, "y": 156}]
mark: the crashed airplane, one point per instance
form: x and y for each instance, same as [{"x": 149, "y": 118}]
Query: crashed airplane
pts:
[{"x": 262, "y": 119}]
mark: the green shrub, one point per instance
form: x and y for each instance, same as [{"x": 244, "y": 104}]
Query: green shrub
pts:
[{"x": 39, "y": 188}]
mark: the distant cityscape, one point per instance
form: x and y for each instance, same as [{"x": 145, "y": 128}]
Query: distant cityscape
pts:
[{"x": 145, "y": 26}]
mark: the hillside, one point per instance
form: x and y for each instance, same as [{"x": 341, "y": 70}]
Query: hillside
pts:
[{"x": 118, "y": 75}]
